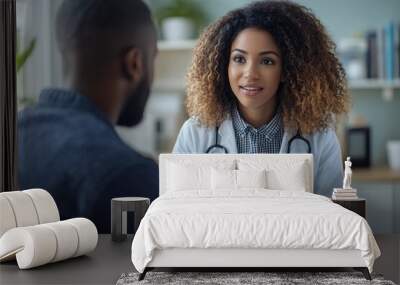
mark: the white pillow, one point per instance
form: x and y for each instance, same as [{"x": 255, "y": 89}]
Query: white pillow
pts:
[
  {"x": 186, "y": 176},
  {"x": 225, "y": 179},
  {"x": 282, "y": 174},
  {"x": 183, "y": 178},
  {"x": 251, "y": 178},
  {"x": 295, "y": 180}
]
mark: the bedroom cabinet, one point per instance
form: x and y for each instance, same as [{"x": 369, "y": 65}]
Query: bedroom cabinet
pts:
[{"x": 357, "y": 205}]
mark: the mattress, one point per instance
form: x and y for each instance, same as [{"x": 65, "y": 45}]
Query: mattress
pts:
[{"x": 250, "y": 219}]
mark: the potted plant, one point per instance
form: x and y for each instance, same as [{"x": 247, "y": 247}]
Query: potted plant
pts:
[{"x": 180, "y": 20}]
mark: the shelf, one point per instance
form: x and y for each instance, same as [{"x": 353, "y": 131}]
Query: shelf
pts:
[
  {"x": 376, "y": 174},
  {"x": 174, "y": 86},
  {"x": 386, "y": 86},
  {"x": 176, "y": 45},
  {"x": 374, "y": 84}
]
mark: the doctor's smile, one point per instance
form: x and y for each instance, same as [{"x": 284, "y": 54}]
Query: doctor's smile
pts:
[{"x": 250, "y": 90}]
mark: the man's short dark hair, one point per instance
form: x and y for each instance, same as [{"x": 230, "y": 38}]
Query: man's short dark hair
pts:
[{"x": 101, "y": 26}]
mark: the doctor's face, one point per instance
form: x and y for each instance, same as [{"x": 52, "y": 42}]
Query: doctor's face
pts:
[{"x": 254, "y": 70}]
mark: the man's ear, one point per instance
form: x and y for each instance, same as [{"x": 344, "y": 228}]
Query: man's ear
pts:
[{"x": 132, "y": 65}]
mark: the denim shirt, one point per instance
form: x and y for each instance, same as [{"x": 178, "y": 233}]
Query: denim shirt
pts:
[{"x": 68, "y": 147}]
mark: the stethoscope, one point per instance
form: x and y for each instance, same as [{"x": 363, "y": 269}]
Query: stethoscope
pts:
[{"x": 297, "y": 136}]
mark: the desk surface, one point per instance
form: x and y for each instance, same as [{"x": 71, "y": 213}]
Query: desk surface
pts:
[
  {"x": 376, "y": 174},
  {"x": 110, "y": 260}
]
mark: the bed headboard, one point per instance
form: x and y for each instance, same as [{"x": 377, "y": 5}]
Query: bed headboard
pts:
[{"x": 288, "y": 160}]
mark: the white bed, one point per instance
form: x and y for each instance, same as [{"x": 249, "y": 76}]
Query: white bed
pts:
[{"x": 247, "y": 211}]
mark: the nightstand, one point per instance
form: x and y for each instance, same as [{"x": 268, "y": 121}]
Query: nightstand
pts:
[
  {"x": 119, "y": 208},
  {"x": 357, "y": 205}
]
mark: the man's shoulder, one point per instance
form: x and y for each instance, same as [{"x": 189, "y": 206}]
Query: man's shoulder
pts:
[
  {"x": 112, "y": 152},
  {"x": 79, "y": 136},
  {"x": 57, "y": 117},
  {"x": 67, "y": 128},
  {"x": 122, "y": 155}
]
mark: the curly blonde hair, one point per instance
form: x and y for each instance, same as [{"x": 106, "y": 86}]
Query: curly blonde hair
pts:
[{"x": 314, "y": 88}]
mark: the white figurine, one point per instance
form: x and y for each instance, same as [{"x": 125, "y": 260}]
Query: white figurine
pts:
[{"x": 347, "y": 174}]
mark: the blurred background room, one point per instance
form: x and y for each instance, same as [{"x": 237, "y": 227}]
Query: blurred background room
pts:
[{"x": 367, "y": 35}]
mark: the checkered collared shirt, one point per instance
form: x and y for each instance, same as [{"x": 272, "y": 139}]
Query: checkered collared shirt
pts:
[{"x": 266, "y": 139}]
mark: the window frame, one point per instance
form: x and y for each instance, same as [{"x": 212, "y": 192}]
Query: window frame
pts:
[{"x": 8, "y": 97}]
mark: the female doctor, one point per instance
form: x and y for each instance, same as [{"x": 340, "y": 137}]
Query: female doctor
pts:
[{"x": 264, "y": 79}]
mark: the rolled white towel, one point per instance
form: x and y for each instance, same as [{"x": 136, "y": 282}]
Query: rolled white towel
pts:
[
  {"x": 7, "y": 218},
  {"x": 40, "y": 244},
  {"x": 67, "y": 240},
  {"x": 26, "y": 208},
  {"x": 45, "y": 205},
  {"x": 23, "y": 208},
  {"x": 87, "y": 235},
  {"x": 33, "y": 246}
]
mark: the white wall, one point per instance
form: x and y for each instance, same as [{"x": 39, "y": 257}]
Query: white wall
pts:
[{"x": 43, "y": 68}]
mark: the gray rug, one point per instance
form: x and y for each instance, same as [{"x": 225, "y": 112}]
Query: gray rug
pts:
[{"x": 229, "y": 278}]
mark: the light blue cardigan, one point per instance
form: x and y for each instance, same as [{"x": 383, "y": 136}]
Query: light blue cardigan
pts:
[{"x": 325, "y": 147}]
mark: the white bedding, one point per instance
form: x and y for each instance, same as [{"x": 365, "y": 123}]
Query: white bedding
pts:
[{"x": 251, "y": 218}]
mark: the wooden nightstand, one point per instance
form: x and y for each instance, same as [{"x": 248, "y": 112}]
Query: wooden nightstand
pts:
[{"x": 357, "y": 205}]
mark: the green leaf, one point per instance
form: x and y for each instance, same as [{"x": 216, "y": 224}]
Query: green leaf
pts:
[{"x": 23, "y": 56}]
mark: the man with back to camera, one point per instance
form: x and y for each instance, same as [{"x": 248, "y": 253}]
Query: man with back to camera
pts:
[{"x": 67, "y": 142}]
